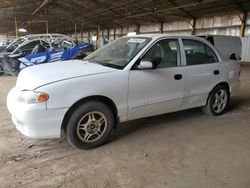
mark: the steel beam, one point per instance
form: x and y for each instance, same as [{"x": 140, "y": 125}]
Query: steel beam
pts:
[
  {"x": 16, "y": 27},
  {"x": 169, "y": 9},
  {"x": 44, "y": 3},
  {"x": 243, "y": 24},
  {"x": 193, "y": 26}
]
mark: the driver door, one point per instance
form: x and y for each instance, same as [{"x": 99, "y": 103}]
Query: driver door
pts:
[{"x": 159, "y": 90}]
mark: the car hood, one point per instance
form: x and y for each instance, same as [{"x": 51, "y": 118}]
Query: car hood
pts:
[{"x": 39, "y": 75}]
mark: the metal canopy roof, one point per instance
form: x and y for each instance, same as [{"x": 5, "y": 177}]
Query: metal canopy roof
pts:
[{"x": 62, "y": 15}]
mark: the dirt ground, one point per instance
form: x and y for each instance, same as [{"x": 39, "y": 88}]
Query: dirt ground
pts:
[{"x": 187, "y": 149}]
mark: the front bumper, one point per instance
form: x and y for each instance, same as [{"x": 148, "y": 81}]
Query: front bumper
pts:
[{"x": 34, "y": 120}]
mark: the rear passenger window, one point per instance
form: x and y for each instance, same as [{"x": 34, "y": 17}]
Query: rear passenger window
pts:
[{"x": 198, "y": 53}]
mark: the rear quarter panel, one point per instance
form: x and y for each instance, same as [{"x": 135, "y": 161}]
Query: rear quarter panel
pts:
[{"x": 231, "y": 75}]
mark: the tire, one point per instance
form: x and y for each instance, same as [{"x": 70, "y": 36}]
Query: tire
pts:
[
  {"x": 89, "y": 125},
  {"x": 218, "y": 101}
]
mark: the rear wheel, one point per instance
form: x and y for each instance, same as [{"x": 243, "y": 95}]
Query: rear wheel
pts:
[
  {"x": 90, "y": 125},
  {"x": 218, "y": 101}
]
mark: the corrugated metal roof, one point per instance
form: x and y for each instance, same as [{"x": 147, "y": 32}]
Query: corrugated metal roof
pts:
[{"x": 64, "y": 14}]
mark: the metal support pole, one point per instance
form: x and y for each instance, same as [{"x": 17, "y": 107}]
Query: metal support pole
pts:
[
  {"x": 47, "y": 26},
  {"x": 82, "y": 30},
  {"x": 75, "y": 32},
  {"x": 193, "y": 27},
  {"x": 161, "y": 29},
  {"x": 98, "y": 38},
  {"x": 108, "y": 34},
  {"x": 137, "y": 29},
  {"x": 16, "y": 27},
  {"x": 243, "y": 24},
  {"x": 89, "y": 36}
]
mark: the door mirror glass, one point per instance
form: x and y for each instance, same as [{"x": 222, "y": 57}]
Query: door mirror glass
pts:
[{"x": 145, "y": 64}]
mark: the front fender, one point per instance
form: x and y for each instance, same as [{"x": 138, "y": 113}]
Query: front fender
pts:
[{"x": 113, "y": 85}]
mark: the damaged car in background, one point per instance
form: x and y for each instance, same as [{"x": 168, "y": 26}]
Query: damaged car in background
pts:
[{"x": 38, "y": 49}]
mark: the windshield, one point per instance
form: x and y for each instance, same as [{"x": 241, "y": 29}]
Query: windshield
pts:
[{"x": 118, "y": 53}]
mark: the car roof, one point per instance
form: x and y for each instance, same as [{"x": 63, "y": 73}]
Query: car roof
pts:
[
  {"x": 158, "y": 36},
  {"x": 212, "y": 35}
]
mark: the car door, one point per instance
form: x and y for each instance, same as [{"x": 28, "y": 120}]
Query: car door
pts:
[
  {"x": 202, "y": 72},
  {"x": 158, "y": 90}
]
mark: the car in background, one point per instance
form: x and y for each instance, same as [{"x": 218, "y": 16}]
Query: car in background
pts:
[
  {"x": 40, "y": 48},
  {"x": 129, "y": 78},
  {"x": 229, "y": 46},
  {"x": 4, "y": 42}
]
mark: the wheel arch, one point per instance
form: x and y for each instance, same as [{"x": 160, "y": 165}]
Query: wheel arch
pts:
[
  {"x": 226, "y": 84},
  {"x": 110, "y": 103},
  {"x": 223, "y": 84}
]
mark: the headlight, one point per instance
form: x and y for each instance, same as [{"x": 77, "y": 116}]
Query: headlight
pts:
[{"x": 31, "y": 97}]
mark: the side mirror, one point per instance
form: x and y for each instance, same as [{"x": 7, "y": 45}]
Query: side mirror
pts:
[
  {"x": 233, "y": 57},
  {"x": 145, "y": 64}
]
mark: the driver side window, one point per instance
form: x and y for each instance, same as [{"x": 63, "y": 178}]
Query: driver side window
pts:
[{"x": 165, "y": 53}]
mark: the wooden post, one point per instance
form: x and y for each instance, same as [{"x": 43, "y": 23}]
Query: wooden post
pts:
[
  {"x": 161, "y": 28},
  {"x": 193, "y": 27},
  {"x": 98, "y": 44},
  {"x": 108, "y": 34},
  {"x": 89, "y": 36},
  {"x": 16, "y": 27},
  {"x": 114, "y": 33},
  {"x": 243, "y": 24},
  {"x": 47, "y": 26},
  {"x": 82, "y": 30},
  {"x": 75, "y": 32},
  {"x": 137, "y": 29}
]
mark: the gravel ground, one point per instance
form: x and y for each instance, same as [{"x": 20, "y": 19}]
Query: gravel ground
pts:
[{"x": 185, "y": 149}]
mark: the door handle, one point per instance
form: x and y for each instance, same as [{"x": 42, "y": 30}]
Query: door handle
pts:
[
  {"x": 178, "y": 77},
  {"x": 216, "y": 72}
]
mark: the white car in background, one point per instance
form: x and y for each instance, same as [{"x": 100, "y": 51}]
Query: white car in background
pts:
[
  {"x": 129, "y": 78},
  {"x": 229, "y": 46}
]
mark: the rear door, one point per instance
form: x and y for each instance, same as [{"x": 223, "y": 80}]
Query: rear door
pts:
[{"x": 203, "y": 72}]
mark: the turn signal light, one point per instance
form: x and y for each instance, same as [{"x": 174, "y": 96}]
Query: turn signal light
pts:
[{"x": 43, "y": 97}]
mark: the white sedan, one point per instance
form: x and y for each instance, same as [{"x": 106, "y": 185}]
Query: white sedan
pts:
[{"x": 130, "y": 78}]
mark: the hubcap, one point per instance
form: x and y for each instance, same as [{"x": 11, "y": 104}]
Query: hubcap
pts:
[
  {"x": 91, "y": 126},
  {"x": 220, "y": 101}
]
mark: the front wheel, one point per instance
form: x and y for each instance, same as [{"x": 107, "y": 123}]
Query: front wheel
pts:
[
  {"x": 218, "y": 101},
  {"x": 89, "y": 125}
]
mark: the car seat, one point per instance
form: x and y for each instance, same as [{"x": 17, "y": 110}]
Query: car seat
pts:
[
  {"x": 169, "y": 58},
  {"x": 38, "y": 48}
]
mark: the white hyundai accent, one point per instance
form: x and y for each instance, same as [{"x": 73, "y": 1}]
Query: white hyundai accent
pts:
[{"x": 130, "y": 78}]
